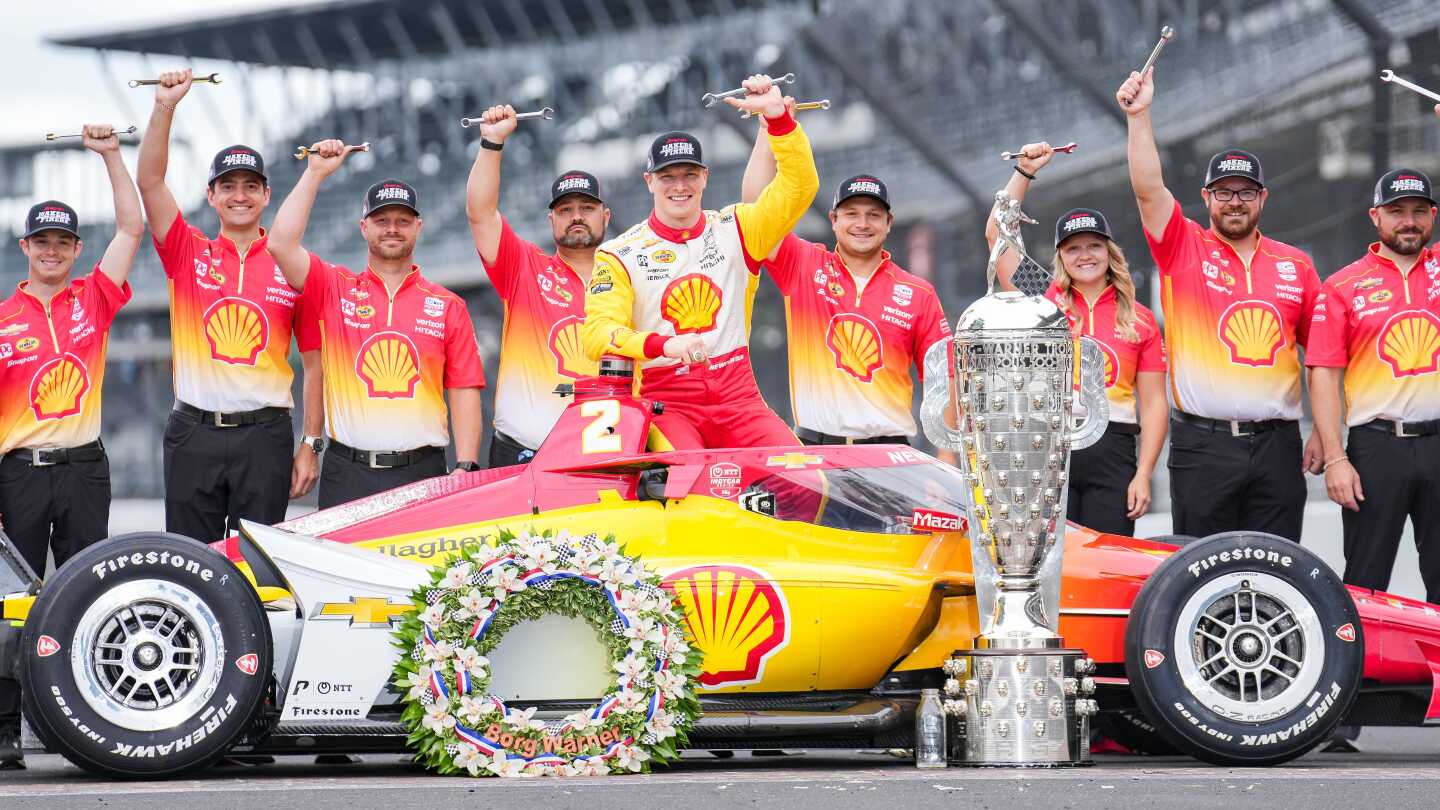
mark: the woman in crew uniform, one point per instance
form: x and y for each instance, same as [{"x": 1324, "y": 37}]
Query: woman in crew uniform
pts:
[{"x": 1110, "y": 480}]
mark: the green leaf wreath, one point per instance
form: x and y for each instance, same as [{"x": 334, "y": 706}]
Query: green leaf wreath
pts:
[{"x": 469, "y": 605}]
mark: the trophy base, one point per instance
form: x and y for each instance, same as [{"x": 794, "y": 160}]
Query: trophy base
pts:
[{"x": 1021, "y": 707}]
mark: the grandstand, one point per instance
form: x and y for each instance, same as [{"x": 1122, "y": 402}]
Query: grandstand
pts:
[{"x": 925, "y": 94}]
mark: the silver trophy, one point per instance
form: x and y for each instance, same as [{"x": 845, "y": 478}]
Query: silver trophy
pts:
[{"x": 1019, "y": 697}]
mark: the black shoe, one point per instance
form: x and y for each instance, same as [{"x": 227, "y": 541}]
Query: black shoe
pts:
[{"x": 12, "y": 757}]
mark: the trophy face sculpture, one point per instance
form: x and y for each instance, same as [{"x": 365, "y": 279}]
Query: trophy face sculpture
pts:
[{"x": 1019, "y": 697}]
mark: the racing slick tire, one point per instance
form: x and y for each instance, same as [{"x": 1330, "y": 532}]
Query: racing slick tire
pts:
[
  {"x": 145, "y": 657},
  {"x": 1244, "y": 649}
]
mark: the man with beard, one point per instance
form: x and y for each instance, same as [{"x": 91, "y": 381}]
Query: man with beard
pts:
[
  {"x": 544, "y": 296},
  {"x": 393, "y": 345},
  {"x": 1236, "y": 306},
  {"x": 675, "y": 291},
  {"x": 856, "y": 321},
  {"x": 54, "y": 332},
  {"x": 228, "y": 440},
  {"x": 1377, "y": 326}
]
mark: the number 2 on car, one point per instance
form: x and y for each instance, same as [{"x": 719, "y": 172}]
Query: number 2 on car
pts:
[{"x": 599, "y": 436}]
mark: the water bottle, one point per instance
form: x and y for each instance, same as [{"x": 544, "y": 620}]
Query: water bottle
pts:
[{"x": 930, "y": 731}]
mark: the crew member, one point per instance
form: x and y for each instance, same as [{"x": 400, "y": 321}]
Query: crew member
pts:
[
  {"x": 393, "y": 344},
  {"x": 54, "y": 330},
  {"x": 1109, "y": 481},
  {"x": 1377, "y": 326},
  {"x": 229, "y": 439},
  {"x": 544, "y": 296},
  {"x": 856, "y": 321},
  {"x": 675, "y": 291},
  {"x": 1236, "y": 306}
]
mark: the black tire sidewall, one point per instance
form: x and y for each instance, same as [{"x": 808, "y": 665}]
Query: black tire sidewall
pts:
[
  {"x": 54, "y": 704},
  {"x": 1202, "y": 731}
]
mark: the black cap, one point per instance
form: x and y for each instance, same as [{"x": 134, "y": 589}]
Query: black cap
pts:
[
  {"x": 672, "y": 148},
  {"x": 1402, "y": 183},
  {"x": 1081, "y": 220},
  {"x": 862, "y": 185},
  {"x": 237, "y": 158},
  {"x": 390, "y": 192},
  {"x": 575, "y": 182},
  {"x": 1234, "y": 163},
  {"x": 51, "y": 215}
]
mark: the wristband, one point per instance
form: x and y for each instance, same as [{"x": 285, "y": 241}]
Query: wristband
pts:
[
  {"x": 163, "y": 104},
  {"x": 1332, "y": 462},
  {"x": 491, "y": 145},
  {"x": 1024, "y": 173}
]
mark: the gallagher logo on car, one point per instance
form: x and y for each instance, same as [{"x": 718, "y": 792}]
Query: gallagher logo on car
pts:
[
  {"x": 737, "y": 615},
  {"x": 930, "y": 520}
]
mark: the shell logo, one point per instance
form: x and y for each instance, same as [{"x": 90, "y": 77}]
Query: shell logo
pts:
[
  {"x": 690, "y": 303},
  {"x": 237, "y": 330},
  {"x": 1112, "y": 363},
  {"x": 737, "y": 615},
  {"x": 58, "y": 388},
  {"x": 565, "y": 346},
  {"x": 1410, "y": 343},
  {"x": 1253, "y": 331},
  {"x": 389, "y": 364},
  {"x": 855, "y": 343}
]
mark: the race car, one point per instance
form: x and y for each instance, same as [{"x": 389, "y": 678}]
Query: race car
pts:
[{"x": 825, "y": 586}]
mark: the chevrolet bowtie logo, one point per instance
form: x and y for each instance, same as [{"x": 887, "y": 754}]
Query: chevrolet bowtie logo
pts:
[
  {"x": 793, "y": 461},
  {"x": 362, "y": 611}
]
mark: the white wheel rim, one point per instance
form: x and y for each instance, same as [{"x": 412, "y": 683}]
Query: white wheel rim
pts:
[
  {"x": 1249, "y": 646},
  {"x": 147, "y": 655}
]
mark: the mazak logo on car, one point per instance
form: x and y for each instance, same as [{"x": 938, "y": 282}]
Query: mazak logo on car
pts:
[{"x": 931, "y": 520}]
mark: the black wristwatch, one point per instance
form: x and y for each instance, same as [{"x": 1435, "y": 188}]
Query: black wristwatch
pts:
[
  {"x": 467, "y": 466},
  {"x": 316, "y": 443}
]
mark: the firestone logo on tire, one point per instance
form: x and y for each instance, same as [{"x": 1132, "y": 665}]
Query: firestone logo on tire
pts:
[
  {"x": 1154, "y": 658},
  {"x": 248, "y": 663},
  {"x": 46, "y": 646}
]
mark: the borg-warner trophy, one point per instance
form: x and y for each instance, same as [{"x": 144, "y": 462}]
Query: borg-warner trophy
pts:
[{"x": 1020, "y": 697}]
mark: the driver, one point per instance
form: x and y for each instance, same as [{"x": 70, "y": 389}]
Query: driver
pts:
[{"x": 675, "y": 291}]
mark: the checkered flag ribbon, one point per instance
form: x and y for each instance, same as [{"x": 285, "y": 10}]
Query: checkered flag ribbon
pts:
[
  {"x": 649, "y": 591},
  {"x": 616, "y": 627},
  {"x": 435, "y": 595},
  {"x": 1031, "y": 277}
]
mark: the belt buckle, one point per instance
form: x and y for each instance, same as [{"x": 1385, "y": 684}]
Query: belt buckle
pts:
[
  {"x": 1235, "y": 430},
  {"x": 35, "y": 458},
  {"x": 1400, "y": 431},
  {"x": 372, "y": 464},
  {"x": 219, "y": 419}
]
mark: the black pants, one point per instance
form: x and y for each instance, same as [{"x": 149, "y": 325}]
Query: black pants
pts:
[
  {"x": 1221, "y": 483},
  {"x": 1100, "y": 477},
  {"x": 214, "y": 476},
  {"x": 343, "y": 479},
  {"x": 64, "y": 507},
  {"x": 1401, "y": 479},
  {"x": 506, "y": 452}
]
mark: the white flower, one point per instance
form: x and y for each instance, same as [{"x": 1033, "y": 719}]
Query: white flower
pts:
[
  {"x": 642, "y": 631},
  {"x": 581, "y": 721},
  {"x": 526, "y": 544},
  {"x": 594, "y": 766},
  {"x": 610, "y": 549},
  {"x": 631, "y": 699},
  {"x": 418, "y": 682},
  {"x": 587, "y": 560},
  {"x": 457, "y": 577},
  {"x": 475, "y": 603},
  {"x": 615, "y": 573},
  {"x": 632, "y": 604},
  {"x": 500, "y": 765},
  {"x": 524, "y": 718},
  {"x": 439, "y": 652},
  {"x": 506, "y": 579},
  {"x": 538, "y": 769},
  {"x": 472, "y": 709},
  {"x": 470, "y": 758},
  {"x": 675, "y": 643},
  {"x": 631, "y": 758},
  {"x": 662, "y": 725},
  {"x": 437, "y": 718},
  {"x": 470, "y": 660},
  {"x": 542, "y": 557},
  {"x": 671, "y": 684},
  {"x": 632, "y": 670},
  {"x": 433, "y": 616}
]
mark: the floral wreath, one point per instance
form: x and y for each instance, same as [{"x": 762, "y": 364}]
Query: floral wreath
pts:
[{"x": 469, "y": 605}]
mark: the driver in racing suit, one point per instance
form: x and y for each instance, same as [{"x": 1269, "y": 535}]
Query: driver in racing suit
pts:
[{"x": 675, "y": 291}]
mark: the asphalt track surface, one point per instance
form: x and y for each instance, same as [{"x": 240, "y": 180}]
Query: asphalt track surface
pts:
[{"x": 1399, "y": 768}]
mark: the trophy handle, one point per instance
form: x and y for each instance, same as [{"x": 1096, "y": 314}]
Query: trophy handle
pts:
[
  {"x": 939, "y": 396},
  {"x": 1091, "y": 368}
]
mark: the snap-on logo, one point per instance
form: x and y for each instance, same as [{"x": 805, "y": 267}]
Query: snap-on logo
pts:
[
  {"x": 677, "y": 147},
  {"x": 239, "y": 159},
  {"x": 1154, "y": 658},
  {"x": 1246, "y": 553},
  {"x": 46, "y": 646},
  {"x": 55, "y": 216},
  {"x": 1236, "y": 164},
  {"x": 1079, "y": 221},
  {"x": 1346, "y": 632},
  {"x": 248, "y": 663}
]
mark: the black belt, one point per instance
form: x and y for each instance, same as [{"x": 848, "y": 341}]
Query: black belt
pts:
[
  {"x": 50, "y": 456},
  {"x": 384, "y": 459},
  {"x": 1405, "y": 430},
  {"x": 225, "y": 420},
  {"x": 1231, "y": 426},
  {"x": 1123, "y": 428},
  {"x": 808, "y": 435}
]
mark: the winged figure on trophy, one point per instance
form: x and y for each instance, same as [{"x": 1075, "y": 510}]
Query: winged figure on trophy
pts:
[{"x": 1004, "y": 394}]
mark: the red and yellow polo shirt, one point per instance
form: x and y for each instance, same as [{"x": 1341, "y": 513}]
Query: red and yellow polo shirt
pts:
[
  {"x": 388, "y": 357},
  {"x": 540, "y": 344},
  {"x": 852, "y": 342},
  {"x": 1383, "y": 327},
  {"x": 1232, "y": 328},
  {"x": 230, "y": 321},
  {"x": 1124, "y": 358},
  {"x": 52, "y": 362}
]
